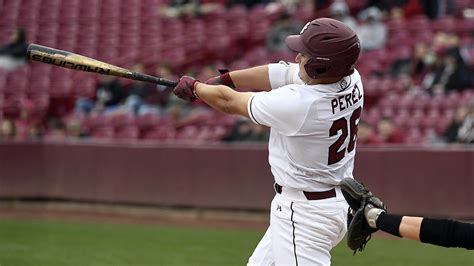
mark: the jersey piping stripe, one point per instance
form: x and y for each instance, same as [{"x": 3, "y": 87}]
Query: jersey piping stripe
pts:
[
  {"x": 251, "y": 112},
  {"x": 293, "y": 223}
]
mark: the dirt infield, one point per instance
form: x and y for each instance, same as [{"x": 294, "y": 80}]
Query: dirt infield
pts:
[{"x": 108, "y": 213}]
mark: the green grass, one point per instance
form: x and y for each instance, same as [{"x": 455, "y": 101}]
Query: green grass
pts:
[{"x": 25, "y": 242}]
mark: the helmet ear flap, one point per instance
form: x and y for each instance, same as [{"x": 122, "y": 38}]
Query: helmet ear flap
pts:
[{"x": 314, "y": 69}]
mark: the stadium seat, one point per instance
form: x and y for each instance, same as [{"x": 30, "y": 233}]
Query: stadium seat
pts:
[
  {"x": 444, "y": 24},
  {"x": 127, "y": 133},
  {"x": 103, "y": 132},
  {"x": 414, "y": 137},
  {"x": 442, "y": 124},
  {"x": 98, "y": 120},
  {"x": 188, "y": 133},
  {"x": 418, "y": 23},
  {"x": 396, "y": 25},
  {"x": 161, "y": 133},
  {"x": 123, "y": 120},
  {"x": 149, "y": 121}
]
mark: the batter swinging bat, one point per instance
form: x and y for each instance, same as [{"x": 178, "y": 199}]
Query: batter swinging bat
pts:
[{"x": 65, "y": 59}]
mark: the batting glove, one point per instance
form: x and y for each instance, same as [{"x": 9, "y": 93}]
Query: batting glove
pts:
[{"x": 186, "y": 88}]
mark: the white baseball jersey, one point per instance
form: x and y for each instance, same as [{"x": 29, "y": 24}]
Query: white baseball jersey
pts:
[
  {"x": 313, "y": 127},
  {"x": 311, "y": 148}
]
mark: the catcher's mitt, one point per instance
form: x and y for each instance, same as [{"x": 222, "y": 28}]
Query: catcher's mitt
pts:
[{"x": 358, "y": 197}]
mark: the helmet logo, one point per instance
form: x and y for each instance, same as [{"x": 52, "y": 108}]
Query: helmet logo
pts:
[{"x": 305, "y": 27}]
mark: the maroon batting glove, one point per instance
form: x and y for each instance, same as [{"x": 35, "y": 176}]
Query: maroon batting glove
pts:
[
  {"x": 223, "y": 79},
  {"x": 186, "y": 88}
]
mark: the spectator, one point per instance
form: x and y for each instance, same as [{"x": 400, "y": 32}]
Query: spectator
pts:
[
  {"x": 340, "y": 11},
  {"x": 386, "y": 5},
  {"x": 372, "y": 32},
  {"x": 451, "y": 133},
  {"x": 466, "y": 130},
  {"x": 450, "y": 72},
  {"x": 437, "y": 8},
  {"x": 75, "y": 130},
  {"x": 141, "y": 95},
  {"x": 248, "y": 3},
  {"x": 416, "y": 66},
  {"x": 366, "y": 134},
  {"x": 412, "y": 8},
  {"x": 109, "y": 94},
  {"x": 467, "y": 50},
  {"x": 284, "y": 26},
  {"x": 56, "y": 129},
  {"x": 7, "y": 130},
  {"x": 260, "y": 133},
  {"x": 460, "y": 72},
  {"x": 140, "y": 89},
  {"x": 13, "y": 54},
  {"x": 178, "y": 8},
  {"x": 28, "y": 125},
  {"x": 246, "y": 131},
  {"x": 35, "y": 131},
  {"x": 389, "y": 133}
]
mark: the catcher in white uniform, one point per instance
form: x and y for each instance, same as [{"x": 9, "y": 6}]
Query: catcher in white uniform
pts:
[{"x": 313, "y": 109}]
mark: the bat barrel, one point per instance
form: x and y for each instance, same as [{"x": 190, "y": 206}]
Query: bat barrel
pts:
[{"x": 70, "y": 60}]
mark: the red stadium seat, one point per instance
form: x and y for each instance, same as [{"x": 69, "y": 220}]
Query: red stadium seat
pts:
[
  {"x": 149, "y": 121},
  {"x": 127, "y": 132},
  {"x": 97, "y": 120},
  {"x": 389, "y": 101},
  {"x": 396, "y": 25},
  {"x": 442, "y": 124},
  {"x": 402, "y": 38},
  {"x": 445, "y": 24},
  {"x": 123, "y": 120},
  {"x": 464, "y": 27},
  {"x": 188, "y": 133},
  {"x": 435, "y": 102},
  {"x": 161, "y": 133},
  {"x": 103, "y": 132},
  {"x": 415, "y": 137}
]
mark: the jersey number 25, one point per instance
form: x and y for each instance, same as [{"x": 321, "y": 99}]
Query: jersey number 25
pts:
[{"x": 336, "y": 153}]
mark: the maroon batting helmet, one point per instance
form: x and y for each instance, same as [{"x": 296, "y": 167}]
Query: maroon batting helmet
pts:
[{"x": 333, "y": 48}]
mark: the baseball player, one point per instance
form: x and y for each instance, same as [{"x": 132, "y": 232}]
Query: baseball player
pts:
[
  {"x": 373, "y": 215},
  {"x": 313, "y": 109},
  {"x": 440, "y": 232}
]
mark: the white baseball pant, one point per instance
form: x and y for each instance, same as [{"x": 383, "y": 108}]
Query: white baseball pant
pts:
[{"x": 301, "y": 231}]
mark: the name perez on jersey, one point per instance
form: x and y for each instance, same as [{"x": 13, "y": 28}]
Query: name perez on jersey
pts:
[{"x": 345, "y": 101}]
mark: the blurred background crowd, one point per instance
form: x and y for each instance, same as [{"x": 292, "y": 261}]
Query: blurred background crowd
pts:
[{"x": 417, "y": 65}]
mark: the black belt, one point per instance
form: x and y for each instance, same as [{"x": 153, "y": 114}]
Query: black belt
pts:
[{"x": 312, "y": 195}]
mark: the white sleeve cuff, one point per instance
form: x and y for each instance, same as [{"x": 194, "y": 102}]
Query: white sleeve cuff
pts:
[
  {"x": 250, "y": 110},
  {"x": 277, "y": 74}
]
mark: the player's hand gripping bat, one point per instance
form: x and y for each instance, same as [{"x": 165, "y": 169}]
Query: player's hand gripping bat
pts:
[{"x": 65, "y": 59}]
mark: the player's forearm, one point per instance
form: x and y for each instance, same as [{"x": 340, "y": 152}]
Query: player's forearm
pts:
[
  {"x": 410, "y": 227},
  {"x": 223, "y": 98},
  {"x": 252, "y": 78}
]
